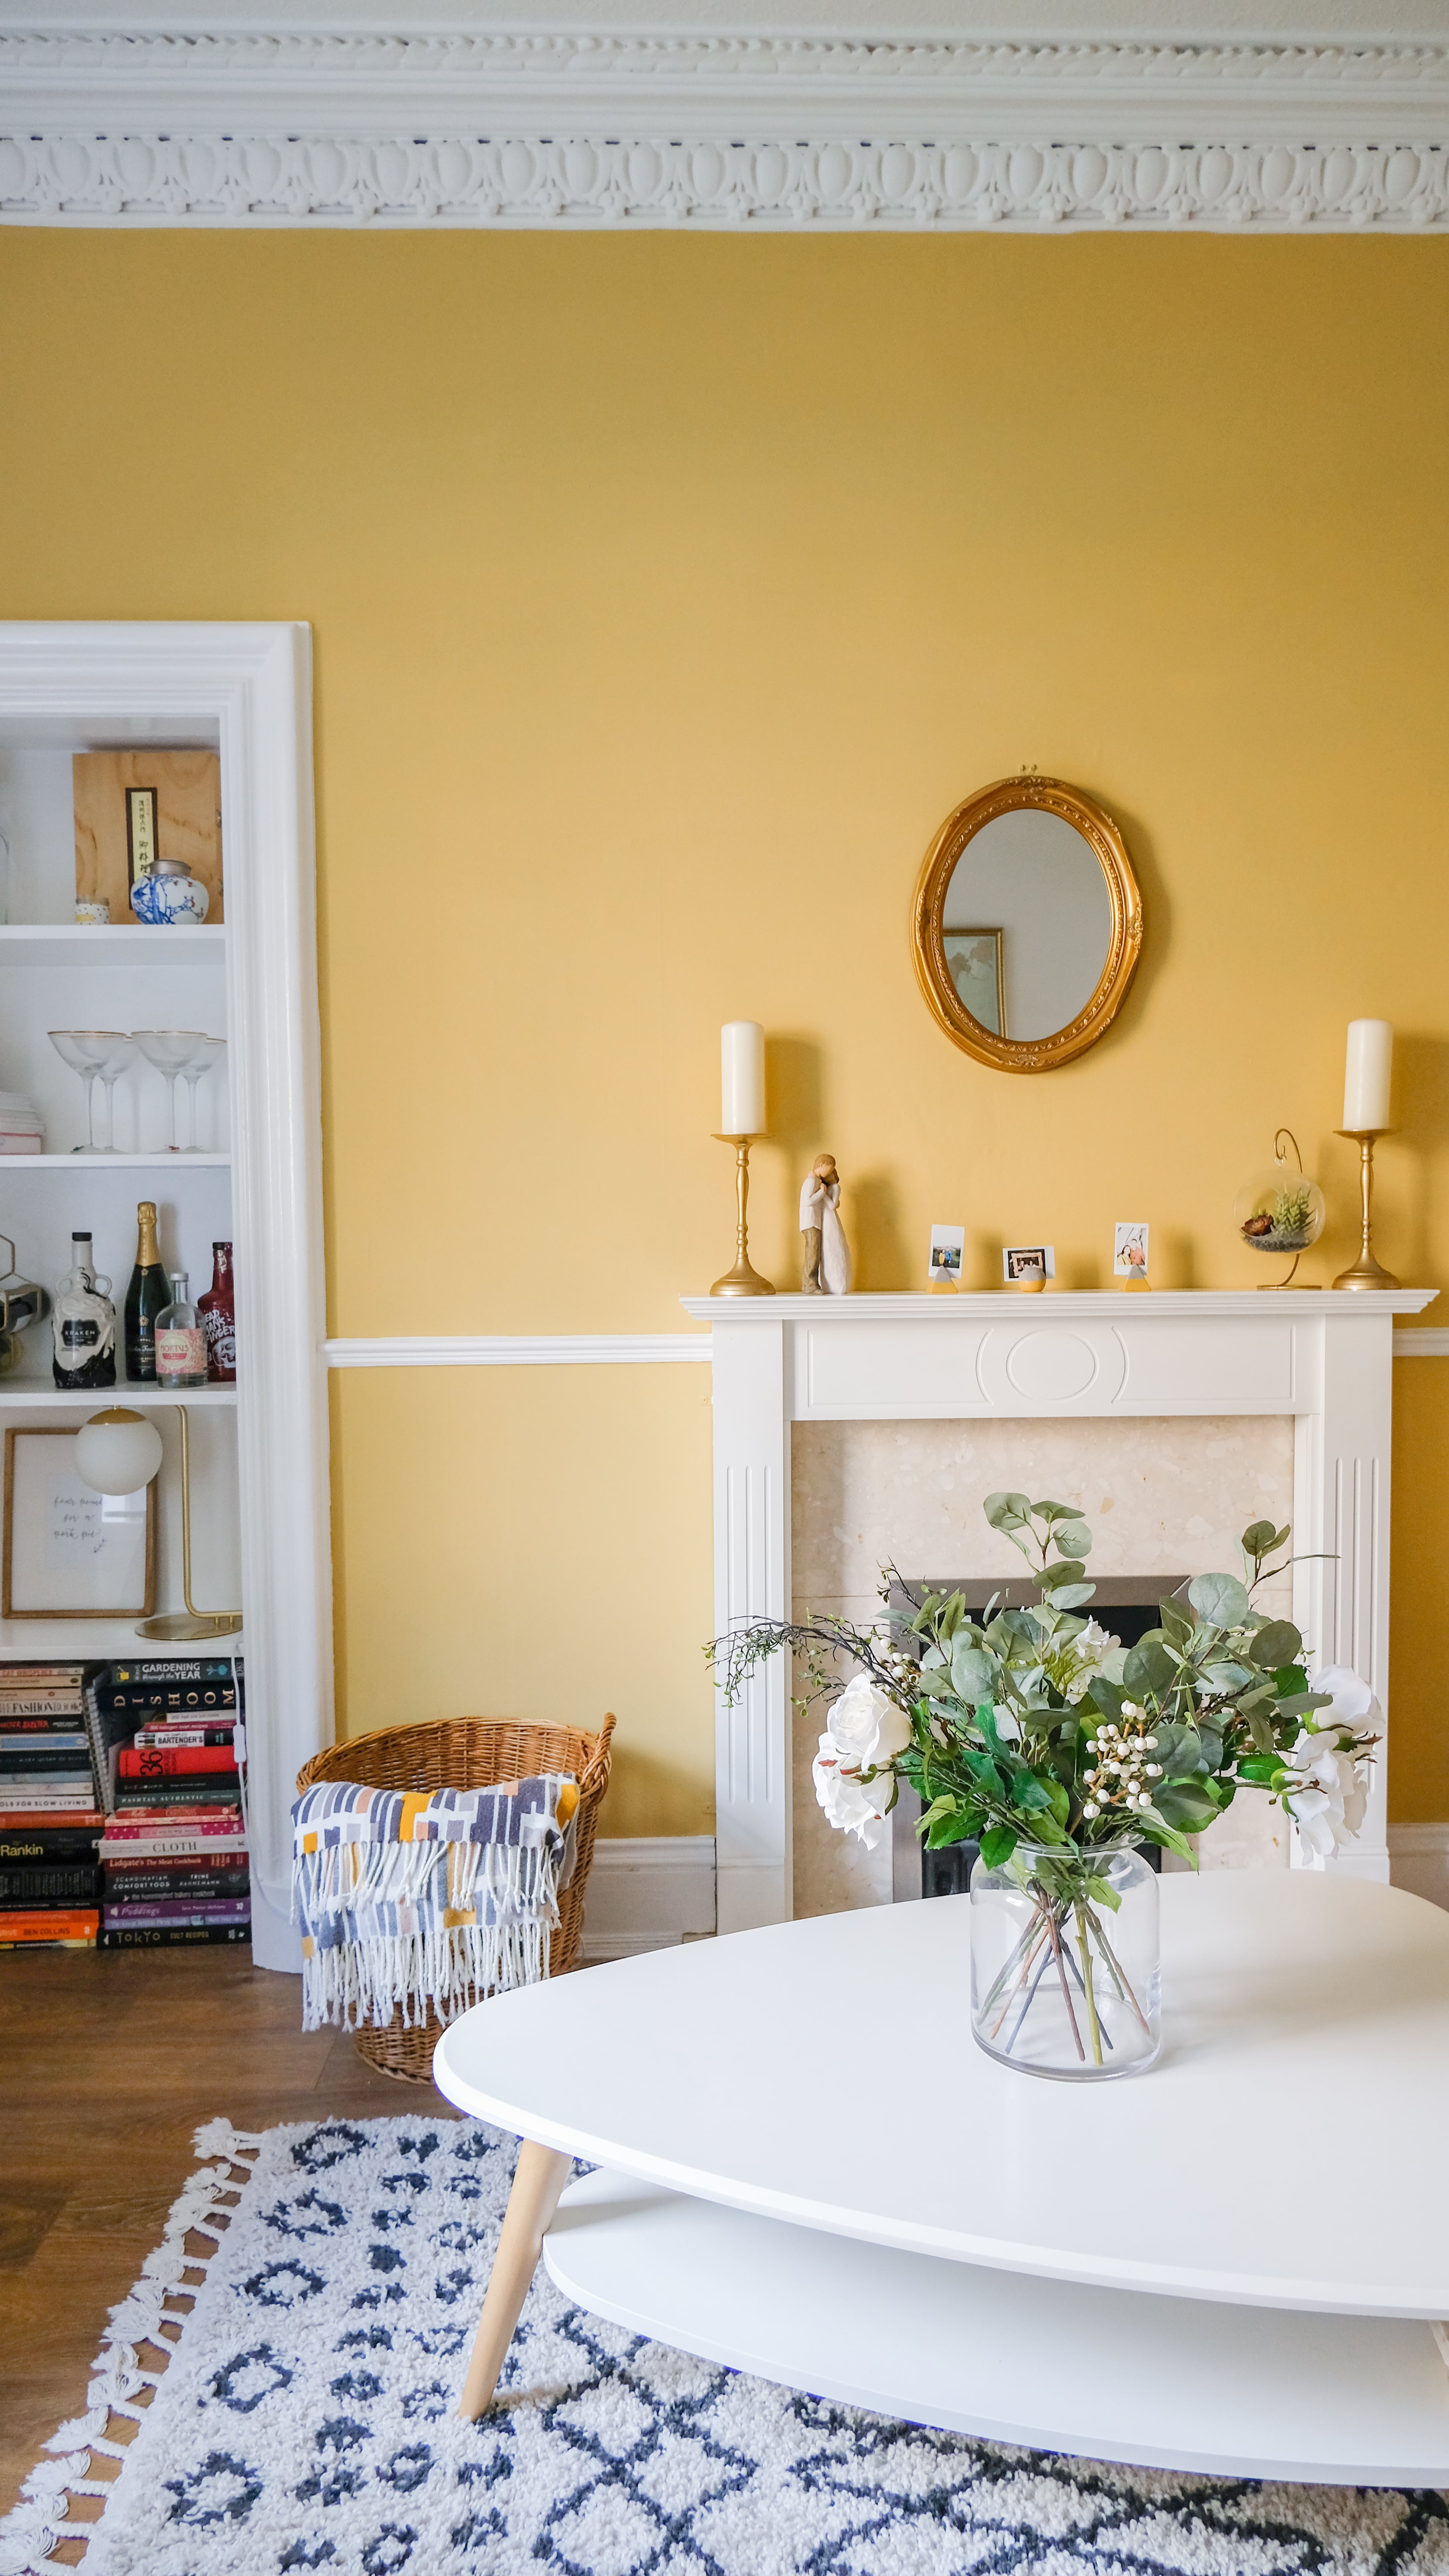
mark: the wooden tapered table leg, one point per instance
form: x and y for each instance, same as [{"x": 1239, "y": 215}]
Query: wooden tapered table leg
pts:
[{"x": 539, "y": 2178}]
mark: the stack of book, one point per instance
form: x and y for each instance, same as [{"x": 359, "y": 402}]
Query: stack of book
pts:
[
  {"x": 174, "y": 1868},
  {"x": 50, "y": 1822}
]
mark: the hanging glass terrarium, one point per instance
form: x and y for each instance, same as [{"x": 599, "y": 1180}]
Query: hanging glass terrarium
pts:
[{"x": 1281, "y": 1210}]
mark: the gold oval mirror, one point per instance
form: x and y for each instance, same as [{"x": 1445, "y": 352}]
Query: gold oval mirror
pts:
[{"x": 1027, "y": 924}]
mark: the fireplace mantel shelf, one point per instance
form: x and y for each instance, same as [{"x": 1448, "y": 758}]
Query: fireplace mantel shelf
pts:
[{"x": 1071, "y": 1305}]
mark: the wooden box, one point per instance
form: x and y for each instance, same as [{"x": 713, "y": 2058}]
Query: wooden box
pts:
[{"x": 187, "y": 812}]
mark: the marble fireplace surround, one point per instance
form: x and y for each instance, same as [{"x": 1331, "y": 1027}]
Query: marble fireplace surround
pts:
[{"x": 1197, "y": 1410}]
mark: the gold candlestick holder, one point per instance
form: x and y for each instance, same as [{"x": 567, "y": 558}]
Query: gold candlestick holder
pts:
[
  {"x": 743, "y": 1280},
  {"x": 1366, "y": 1272}
]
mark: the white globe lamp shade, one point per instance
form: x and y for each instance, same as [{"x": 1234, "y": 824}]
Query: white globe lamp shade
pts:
[{"x": 119, "y": 1451}]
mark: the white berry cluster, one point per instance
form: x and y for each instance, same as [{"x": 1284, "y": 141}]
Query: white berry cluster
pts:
[{"x": 1123, "y": 1770}]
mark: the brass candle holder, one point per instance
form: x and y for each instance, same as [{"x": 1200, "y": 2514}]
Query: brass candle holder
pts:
[
  {"x": 1366, "y": 1272},
  {"x": 743, "y": 1280}
]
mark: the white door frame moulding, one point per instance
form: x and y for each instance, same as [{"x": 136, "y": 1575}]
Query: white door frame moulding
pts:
[
  {"x": 828, "y": 129},
  {"x": 1325, "y": 1360},
  {"x": 254, "y": 683}
]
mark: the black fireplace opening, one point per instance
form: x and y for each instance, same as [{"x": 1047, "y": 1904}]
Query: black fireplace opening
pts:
[{"x": 1126, "y": 1605}]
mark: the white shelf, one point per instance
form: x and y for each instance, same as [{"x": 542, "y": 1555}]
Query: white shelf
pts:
[
  {"x": 32, "y": 1391},
  {"x": 53, "y": 943},
  {"x": 84, "y": 1641},
  {"x": 83, "y": 1160}
]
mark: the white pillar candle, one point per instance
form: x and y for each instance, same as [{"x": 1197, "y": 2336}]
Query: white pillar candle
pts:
[
  {"x": 1367, "y": 1075},
  {"x": 742, "y": 1078}
]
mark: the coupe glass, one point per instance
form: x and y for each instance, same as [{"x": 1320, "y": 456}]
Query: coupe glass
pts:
[
  {"x": 120, "y": 1053},
  {"x": 88, "y": 1052},
  {"x": 205, "y": 1053},
  {"x": 170, "y": 1050}
]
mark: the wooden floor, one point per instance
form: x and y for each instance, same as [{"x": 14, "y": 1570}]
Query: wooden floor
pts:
[{"x": 108, "y": 2062}]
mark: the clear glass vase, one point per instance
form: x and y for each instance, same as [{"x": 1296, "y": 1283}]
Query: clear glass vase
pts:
[{"x": 1064, "y": 1962}]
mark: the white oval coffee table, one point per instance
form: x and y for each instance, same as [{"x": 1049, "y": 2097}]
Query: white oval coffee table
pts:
[{"x": 1232, "y": 2263}]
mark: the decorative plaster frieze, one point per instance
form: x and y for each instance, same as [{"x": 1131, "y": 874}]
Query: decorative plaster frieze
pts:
[
  {"x": 771, "y": 132},
  {"x": 765, "y": 185}
]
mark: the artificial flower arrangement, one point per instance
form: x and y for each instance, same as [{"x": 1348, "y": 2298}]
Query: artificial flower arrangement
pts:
[{"x": 1035, "y": 1734}]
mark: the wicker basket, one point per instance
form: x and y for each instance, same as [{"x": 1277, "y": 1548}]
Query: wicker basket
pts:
[{"x": 470, "y": 1753}]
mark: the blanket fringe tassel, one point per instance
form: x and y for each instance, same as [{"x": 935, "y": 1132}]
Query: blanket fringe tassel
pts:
[{"x": 40, "y": 2522}]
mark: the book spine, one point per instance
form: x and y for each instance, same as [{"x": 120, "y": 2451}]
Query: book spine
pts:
[
  {"x": 179, "y": 1736},
  {"x": 218, "y": 1790},
  {"x": 44, "y": 1798},
  {"x": 58, "y": 1758},
  {"x": 160, "y": 1882},
  {"x": 51, "y": 1846},
  {"x": 217, "y": 1668},
  {"x": 161, "y": 1936},
  {"x": 149, "y": 1698},
  {"x": 34, "y": 1709},
  {"x": 128, "y": 1835},
  {"x": 26, "y": 1734},
  {"x": 79, "y": 1923},
  {"x": 175, "y": 1909},
  {"x": 168, "y": 1762},
  {"x": 40, "y": 1883}
]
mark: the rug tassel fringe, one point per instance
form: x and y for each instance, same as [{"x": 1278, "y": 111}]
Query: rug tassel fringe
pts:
[{"x": 40, "y": 2522}]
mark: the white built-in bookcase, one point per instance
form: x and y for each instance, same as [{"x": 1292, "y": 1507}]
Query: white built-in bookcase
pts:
[{"x": 259, "y": 1449}]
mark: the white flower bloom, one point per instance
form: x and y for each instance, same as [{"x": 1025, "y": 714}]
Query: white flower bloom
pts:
[
  {"x": 1331, "y": 1800},
  {"x": 1354, "y": 1707},
  {"x": 864, "y": 1726},
  {"x": 852, "y": 1806}
]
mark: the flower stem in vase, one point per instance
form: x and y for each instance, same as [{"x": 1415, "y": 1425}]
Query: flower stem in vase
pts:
[
  {"x": 1055, "y": 1939},
  {"x": 1124, "y": 1982},
  {"x": 1085, "y": 1947}
]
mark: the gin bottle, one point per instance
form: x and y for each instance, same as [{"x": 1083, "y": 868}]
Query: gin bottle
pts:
[
  {"x": 180, "y": 1339},
  {"x": 83, "y": 1322}
]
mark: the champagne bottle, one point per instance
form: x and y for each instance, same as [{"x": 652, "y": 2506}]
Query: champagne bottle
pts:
[
  {"x": 180, "y": 1339},
  {"x": 145, "y": 1298},
  {"x": 83, "y": 1321},
  {"x": 217, "y": 1310}
]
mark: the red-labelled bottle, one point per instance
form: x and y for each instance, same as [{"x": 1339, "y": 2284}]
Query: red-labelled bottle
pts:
[{"x": 217, "y": 1310}]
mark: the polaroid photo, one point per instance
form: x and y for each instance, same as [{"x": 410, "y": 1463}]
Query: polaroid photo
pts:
[
  {"x": 1021, "y": 1262},
  {"x": 948, "y": 1245},
  {"x": 1129, "y": 1251}
]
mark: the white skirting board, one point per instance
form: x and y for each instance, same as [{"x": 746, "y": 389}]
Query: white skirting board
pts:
[
  {"x": 1419, "y": 1860},
  {"x": 648, "y": 1893}
]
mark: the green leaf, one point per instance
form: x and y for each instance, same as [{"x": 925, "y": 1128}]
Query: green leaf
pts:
[
  {"x": 1148, "y": 1668},
  {"x": 1276, "y": 1644},
  {"x": 1175, "y": 1622},
  {"x": 1028, "y": 1794},
  {"x": 973, "y": 1672},
  {"x": 1157, "y": 1831},
  {"x": 937, "y": 1684},
  {"x": 949, "y": 1829},
  {"x": 1260, "y": 1766},
  {"x": 1190, "y": 1806},
  {"x": 997, "y": 1845},
  {"x": 1052, "y": 1511},
  {"x": 1070, "y": 1596},
  {"x": 1007, "y": 1511},
  {"x": 1228, "y": 1677},
  {"x": 1061, "y": 1803},
  {"x": 1258, "y": 1538},
  {"x": 1103, "y": 1893},
  {"x": 1219, "y": 1598},
  {"x": 1073, "y": 1540}
]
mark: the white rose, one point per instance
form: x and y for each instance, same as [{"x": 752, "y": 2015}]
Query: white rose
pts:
[
  {"x": 851, "y": 1805},
  {"x": 1354, "y": 1706},
  {"x": 1331, "y": 1800},
  {"x": 865, "y": 1727}
]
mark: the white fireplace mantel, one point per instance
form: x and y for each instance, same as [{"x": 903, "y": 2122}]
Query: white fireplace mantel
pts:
[{"x": 1324, "y": 1358}]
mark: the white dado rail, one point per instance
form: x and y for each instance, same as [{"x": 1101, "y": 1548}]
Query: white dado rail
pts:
[{"x": 1325, "y": 1359}]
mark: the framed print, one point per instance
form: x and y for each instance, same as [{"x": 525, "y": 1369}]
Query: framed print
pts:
[
  {"x": 973, "y": 959},
  {"x": 69, "y": 1552},
  {"x": 948, "y": 1243}
]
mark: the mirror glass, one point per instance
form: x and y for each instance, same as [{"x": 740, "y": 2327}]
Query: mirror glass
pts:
[{"x": 1026, "y": 924}]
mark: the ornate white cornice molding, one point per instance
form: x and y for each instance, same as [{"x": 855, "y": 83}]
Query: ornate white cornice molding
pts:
[{"x": 553, "y": 128}]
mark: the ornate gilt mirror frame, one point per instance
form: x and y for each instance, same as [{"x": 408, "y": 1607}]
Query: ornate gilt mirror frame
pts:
[{"x": 1095, "y": 824}]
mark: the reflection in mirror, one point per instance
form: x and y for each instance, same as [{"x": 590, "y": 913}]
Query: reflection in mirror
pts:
[{"x": 1039, "y": 885}]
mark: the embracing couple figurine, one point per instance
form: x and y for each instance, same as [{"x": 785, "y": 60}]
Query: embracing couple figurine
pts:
[{"x": 825, "y": 1254}]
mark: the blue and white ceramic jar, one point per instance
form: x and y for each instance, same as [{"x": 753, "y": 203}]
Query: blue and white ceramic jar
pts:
[{"x": 169, "y": 894}]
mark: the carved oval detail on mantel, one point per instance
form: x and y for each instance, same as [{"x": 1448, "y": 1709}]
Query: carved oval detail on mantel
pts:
[{"x": 1050, "y": 1366}]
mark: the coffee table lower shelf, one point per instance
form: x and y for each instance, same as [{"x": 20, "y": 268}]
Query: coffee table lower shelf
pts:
[{"x": 1102, "y": 2374}]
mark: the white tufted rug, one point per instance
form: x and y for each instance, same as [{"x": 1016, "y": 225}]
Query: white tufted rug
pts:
[{"x": 306, "y": 2421}]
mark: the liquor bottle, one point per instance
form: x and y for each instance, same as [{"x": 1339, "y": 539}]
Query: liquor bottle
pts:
[
  {"x": 217, "y": 1310},
  {"x": 83, "y": 1321},
  {"x": 145, "y": 1297},
  {"x": 180, "y": 1339}
]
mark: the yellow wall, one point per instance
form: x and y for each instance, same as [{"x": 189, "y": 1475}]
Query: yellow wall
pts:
[{"x": 667, "y": 594}]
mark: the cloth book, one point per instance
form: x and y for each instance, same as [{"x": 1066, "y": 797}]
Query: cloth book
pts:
[{"x": 406, "y": 1899}]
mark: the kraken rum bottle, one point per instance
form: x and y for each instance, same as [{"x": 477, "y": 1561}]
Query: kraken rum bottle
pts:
[
  {"x": 148, "y": 1293},
  {"x": 217, "y": 1310},
  {"x": 83, "y": 1322}
]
